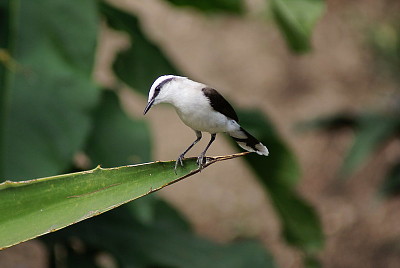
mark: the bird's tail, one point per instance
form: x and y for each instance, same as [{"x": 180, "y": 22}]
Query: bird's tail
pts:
[{"x": 248, "y": 142}]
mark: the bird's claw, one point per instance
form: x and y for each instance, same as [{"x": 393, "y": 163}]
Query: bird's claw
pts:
[
  {"x": 179, "y": 161},
  {"x": 201, "y": 161}
]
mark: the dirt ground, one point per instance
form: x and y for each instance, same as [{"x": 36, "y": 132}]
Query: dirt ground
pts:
[{"x": 247, "y": 60}]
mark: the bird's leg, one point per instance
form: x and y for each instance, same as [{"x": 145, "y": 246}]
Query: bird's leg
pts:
[
  {"x": 201, "y": 160},
  {"x": 180, "y": 158}
]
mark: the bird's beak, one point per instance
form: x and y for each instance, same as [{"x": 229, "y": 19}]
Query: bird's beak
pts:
[{"x": 148, "y": 106}]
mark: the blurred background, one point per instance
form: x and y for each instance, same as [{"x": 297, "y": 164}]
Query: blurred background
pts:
[{"x": 330, "y": 98}]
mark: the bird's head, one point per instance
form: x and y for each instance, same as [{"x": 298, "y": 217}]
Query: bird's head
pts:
[{"x": 161, "y": 90}]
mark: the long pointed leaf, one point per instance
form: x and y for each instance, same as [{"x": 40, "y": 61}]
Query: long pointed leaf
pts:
[{"x": 32, "y": 208}]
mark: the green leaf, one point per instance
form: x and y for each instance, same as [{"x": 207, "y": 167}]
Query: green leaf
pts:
[
  {"x": 212, "y": 6},
  {"x": 187, "y": 250},
  {"x": 154, "y": 211},
  {"x": 138, "y": 245},
  {"x": 373, "y": 131},
  {"x": 32, "y": 208},
  {"x": 4, "y": 64},
  {"x": 143, "y": 62},
  {"x": 115, "y": 138},
  {"x": 391, "y": 184},
  {"x": 49, "y": 93},
  {"x": 279, "y": 173},
  {"x": 301, "y": 225},
  {"x": 296, "y": 20},
  {"x": 66, "y": 199}
]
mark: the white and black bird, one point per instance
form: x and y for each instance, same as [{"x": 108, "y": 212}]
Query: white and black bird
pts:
[{"x": 202, "y": 109}]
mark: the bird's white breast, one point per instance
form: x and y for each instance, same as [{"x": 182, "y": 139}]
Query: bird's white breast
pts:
[{"x": 195, "y": 111}]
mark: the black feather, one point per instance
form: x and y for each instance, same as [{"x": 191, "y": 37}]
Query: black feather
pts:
[{"x": 219, "y": 104}]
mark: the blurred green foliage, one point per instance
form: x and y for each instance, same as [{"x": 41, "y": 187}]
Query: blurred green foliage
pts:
[
  {"x": 165, "y": 242},
  {"x": 212, "y": 6},
  {"x": 279, "y": 176},
  {"x": 296, "y": 20},
  {"x": 116, "y": 139},
  {"x": 47, "y": 97},
  {"x": 51, "y": 110},
  {"x": 373, "y": 130},
  {"x": 139, "y": 65}
]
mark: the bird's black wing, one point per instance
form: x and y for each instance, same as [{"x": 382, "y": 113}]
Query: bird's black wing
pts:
[{"x": 219, "y": 104}]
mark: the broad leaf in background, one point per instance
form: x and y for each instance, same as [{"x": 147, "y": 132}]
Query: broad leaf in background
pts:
[
  {"x": 278, "y": 173},
  {"x": 137, "y": 245},
  {"x": 49, "y": 95},
  {"x": 115, "y": 138},
  {"x": 143, "y": 62},
  {"x": 391, "y": 185},
  {"x": 4, "y": 35},
  {"x": 152, "y": 210},
  {"x": 296, "y": 20},
  {"x": 4, "y": 64},
  {"x": 212, "y": 6},
  {"x": 4, "y": 24}
]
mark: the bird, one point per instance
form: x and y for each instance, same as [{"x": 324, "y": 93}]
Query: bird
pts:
[{"x": 203, "y": 109}]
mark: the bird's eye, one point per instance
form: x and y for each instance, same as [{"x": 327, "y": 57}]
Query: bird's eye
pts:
[{"x": 157, "y": 89}]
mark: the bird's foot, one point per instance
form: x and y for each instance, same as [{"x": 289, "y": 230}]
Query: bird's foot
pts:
[
  {"x": 179, "y": 161},
  {"x": 201, "y": 161}
]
